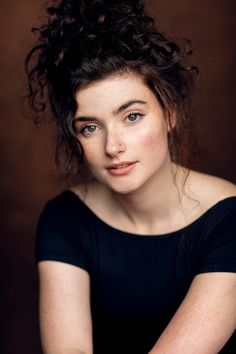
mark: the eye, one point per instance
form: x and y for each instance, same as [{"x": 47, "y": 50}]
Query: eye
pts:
[
  {"x": 88, "y": 130},
  {"x": 134, "y": 117}
]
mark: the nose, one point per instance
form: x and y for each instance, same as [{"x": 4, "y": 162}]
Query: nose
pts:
[{"x": 114, "y": 144}]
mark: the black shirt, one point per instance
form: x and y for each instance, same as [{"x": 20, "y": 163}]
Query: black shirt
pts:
[{"x": 137, "y": 281}]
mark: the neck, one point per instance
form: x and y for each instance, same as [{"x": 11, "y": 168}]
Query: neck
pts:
[{"x": 156, "y": 203}]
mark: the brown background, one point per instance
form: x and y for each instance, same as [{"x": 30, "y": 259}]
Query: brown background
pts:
[{"x": 28, "y": 178}]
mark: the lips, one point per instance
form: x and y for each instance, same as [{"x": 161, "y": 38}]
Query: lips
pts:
[
  {"x": 120, "y": 165},
  {"x": 121, "y": 169}
]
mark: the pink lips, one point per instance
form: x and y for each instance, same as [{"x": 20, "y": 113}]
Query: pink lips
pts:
[{"x": 121, "y": 168}]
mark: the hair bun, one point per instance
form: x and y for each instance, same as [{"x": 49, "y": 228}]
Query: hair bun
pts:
[
  {"x": 90, "y": 25},
  {"x": 84, "y": 41}
]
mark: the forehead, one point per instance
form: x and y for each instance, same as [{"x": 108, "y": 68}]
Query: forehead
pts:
[{"x": 113, "y": 90}]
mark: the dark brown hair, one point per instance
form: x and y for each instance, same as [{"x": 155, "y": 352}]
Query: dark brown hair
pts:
[{"x": 88, "y": 40}]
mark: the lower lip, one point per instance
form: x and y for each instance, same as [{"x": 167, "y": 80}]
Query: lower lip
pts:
[{"x": 121, "y": 171}]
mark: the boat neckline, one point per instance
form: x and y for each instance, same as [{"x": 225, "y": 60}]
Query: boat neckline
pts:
[{"x": 146, "y": 236}]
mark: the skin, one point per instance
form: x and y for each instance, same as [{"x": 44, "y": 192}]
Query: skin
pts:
[
  {"x": 207, "y": 316},
  {"x": 137, "y": 133}
]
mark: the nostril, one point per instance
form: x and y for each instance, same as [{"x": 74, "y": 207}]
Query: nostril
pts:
[{"x": 114, "y": 146}]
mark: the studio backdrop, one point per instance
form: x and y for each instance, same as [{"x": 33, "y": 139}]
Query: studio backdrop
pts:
[{"x": 28, "y": 176}]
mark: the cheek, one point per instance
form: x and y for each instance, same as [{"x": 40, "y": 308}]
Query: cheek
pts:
[
  {"x": 91, "y": 154},
  {"x": 155, "y": 139},
  {"x": 150, "y": 141}
]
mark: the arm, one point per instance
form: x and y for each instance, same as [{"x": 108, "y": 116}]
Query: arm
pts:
[
  {"x": 205, "y": 320},
  {"x": 64, "y": 308}
]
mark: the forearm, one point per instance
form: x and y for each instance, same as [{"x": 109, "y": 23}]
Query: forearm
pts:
[
  {"x": 76, "y": 351},
  {"x": 67, "y": 351},
  {"x": 205, "y": 320}
]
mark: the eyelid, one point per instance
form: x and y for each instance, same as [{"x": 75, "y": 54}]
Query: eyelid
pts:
[
  {"x": 84, "y": 126},
  {"x": 134, "y": 113}
]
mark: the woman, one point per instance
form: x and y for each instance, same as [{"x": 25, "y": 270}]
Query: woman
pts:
[{"x": 138, "y": 256}]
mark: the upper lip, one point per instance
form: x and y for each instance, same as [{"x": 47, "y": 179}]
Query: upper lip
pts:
[{"x": 116, "y": 165}]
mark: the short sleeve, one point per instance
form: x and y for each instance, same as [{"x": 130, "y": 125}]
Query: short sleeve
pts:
[
  {"x": 57, "y": 239},
  {"x": 219, "y": 253}
]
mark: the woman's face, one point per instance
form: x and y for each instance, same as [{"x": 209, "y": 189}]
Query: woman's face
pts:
[{"x": 123, "y": 131}]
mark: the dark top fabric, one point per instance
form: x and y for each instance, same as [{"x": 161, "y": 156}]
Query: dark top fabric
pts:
[{"x": 137, "y": 282}]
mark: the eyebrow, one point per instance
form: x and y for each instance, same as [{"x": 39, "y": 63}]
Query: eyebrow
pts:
[
  {"x": 126, "y": 105},
  {"x": 115, "y": 112}
]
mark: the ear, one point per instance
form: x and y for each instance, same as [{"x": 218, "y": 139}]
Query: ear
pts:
[{"x": 171, "y": 120}]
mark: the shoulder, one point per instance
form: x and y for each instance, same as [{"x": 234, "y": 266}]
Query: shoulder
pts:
[
  {"x": 63, "y": 232},
  {"x": 96, "y": 191},
  {"x": 64, "y": 201},
  {"x": 65, "y": 210},
  {"x": 210, "y": 190}
]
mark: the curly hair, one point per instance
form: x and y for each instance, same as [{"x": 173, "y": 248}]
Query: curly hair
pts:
[{"x": 88, "y": 40}]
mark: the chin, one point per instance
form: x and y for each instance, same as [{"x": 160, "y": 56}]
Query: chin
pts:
[
  {"x": 126, "y": 185},
  {"x": 125, "y": 188},
  {"x": 123, "y": 191}
]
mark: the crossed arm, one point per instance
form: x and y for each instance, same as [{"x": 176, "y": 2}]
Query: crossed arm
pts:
[
  {"x": 65, "y": 317},
  {"x": 205, "y": 320},
  {"x": 203, "y": 323}
]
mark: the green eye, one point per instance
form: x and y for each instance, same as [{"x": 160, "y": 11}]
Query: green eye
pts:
[
  {"x": 134, "y": 117},
  {"x": 89, "y": 129}
]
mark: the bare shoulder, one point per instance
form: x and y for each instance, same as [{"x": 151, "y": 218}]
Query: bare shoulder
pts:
[
  {"x": 94, "y": 191},
  {"x": 210, "y": 189}
]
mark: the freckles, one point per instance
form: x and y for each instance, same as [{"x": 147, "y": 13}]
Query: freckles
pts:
[
  {"x": 89, "y": 153},
  {"x": 155, "y": 136},
  {"x": 149, "y": 140},
  {"x": 90, "y": 148},
  {"x": 90, "y": 157},
  {"x": 152, "y": 140}
]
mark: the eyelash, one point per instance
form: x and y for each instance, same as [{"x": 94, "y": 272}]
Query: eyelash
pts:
[
  {"x": 82, "y": 129},
  {"x": 135, "y": 114}
]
